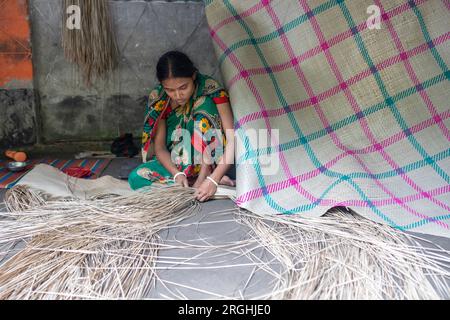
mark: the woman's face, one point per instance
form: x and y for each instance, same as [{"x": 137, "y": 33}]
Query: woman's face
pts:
[{"x": 179, "y": 90}]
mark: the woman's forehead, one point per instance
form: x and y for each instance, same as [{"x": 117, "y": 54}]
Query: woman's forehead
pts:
[{"x": 175, "y": 83}]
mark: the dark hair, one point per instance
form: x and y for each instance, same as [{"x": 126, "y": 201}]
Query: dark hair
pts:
[{"x": 174, "y": 64}]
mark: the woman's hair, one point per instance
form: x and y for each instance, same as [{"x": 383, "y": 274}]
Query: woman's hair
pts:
[{"x": 174, "y": 64}]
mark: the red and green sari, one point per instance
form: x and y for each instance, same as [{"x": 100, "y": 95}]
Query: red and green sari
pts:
[{"x": 199, "y": 117}]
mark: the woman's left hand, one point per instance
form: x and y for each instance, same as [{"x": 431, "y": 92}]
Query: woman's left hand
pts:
[{"x": 206, "y": 190}]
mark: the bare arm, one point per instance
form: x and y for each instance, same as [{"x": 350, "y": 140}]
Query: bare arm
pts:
[
  {"x": 207, "y": 189},
  {"x": 226, "y": 115},
  {"x": 162, "y": 154}
]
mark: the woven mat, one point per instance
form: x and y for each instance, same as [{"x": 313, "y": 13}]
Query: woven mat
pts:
[
  {"x": 8, "y": 179},
  {"x": 54, "y": 182},
  {"x": 362, "y": 114}
]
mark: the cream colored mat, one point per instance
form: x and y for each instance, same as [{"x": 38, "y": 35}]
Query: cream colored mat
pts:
[{"x": 52, "y": 181}]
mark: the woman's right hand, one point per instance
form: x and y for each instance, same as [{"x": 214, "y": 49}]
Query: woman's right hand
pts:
[{"x": 182, "y": 180}]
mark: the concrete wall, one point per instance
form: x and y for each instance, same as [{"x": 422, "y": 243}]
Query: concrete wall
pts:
[
  {"x": 68, "y": 110},
  {"x": 144, "y": 30},
  {"x": 17, "y": 98}
]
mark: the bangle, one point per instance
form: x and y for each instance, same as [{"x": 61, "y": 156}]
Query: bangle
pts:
[
  {"x": 177, "y": 174},
  {"x": 213, "y": 181}
]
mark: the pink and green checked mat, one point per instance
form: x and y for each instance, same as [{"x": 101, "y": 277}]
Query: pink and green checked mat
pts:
[
  {"x": 362, "y": 113},
  {"x": 8, "y": 179}
]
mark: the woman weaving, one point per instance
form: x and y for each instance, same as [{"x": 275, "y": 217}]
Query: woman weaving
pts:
[{"x": 187, "y": 117}]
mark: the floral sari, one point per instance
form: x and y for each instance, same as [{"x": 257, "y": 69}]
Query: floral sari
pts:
[{"x": 191, "y": 129}]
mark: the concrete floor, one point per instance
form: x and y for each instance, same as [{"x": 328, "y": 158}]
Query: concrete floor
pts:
[{"x": 211, "y": 280}]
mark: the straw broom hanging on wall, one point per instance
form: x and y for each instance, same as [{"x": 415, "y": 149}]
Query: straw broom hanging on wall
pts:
[{"x": 92, "y": 46}]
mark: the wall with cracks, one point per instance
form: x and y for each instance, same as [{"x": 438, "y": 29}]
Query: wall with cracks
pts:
[
  {"x": 71, "y": 112},
  {"x": 17, "y": 94}
]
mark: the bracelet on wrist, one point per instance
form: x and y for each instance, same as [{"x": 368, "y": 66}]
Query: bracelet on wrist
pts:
[
  {"x": 177, "y": 174},
  {"x": 213, "y": 181}
]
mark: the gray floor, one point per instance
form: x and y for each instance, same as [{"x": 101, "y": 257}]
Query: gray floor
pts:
[{"x": 226, "y": 276}]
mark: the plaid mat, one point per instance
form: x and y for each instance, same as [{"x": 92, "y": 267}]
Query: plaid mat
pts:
[
  {"x": 8, "y": 179},
  {"x": 362, "y": 113}
]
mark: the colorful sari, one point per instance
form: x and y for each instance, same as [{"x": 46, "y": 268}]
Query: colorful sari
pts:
[{"x": 199, "y": 118}]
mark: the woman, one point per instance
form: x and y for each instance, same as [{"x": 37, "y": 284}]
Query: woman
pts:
[{"x": 187, "y": 125}]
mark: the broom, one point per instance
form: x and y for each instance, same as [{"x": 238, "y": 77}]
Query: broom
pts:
[{"x": 92, "y": 47}]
